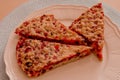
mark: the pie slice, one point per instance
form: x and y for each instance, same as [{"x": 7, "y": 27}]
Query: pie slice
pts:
[
  {"x": 36, "y": 57},
  {"x": 46, "y": 27},
  {"x": 90, "y": 25}
]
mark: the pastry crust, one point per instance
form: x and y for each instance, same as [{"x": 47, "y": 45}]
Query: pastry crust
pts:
[
  {"x": 46, "y": 27},
  {"x": 90, "y": 25},
  {"x": 45, "y": 43},
  {"x": 35, "y": 57}
]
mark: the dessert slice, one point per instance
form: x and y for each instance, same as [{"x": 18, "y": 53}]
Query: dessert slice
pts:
[
  {"x": 36, "y": 57},
  {"x": 90, "y": 25},
  {"x": 46, "y": 27}
]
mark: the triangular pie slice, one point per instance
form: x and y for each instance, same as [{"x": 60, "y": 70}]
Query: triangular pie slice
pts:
[
  {"x": 90, "y": 25},
  {"x": 46, "y": 27},
  {"x": 36, "y": 57}
]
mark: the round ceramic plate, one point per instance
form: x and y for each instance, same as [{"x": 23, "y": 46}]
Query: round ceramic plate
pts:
[{"x": 88, "y": 68}]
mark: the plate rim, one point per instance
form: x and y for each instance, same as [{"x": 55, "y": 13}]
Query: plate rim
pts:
[{"x": 116, "y": 30}]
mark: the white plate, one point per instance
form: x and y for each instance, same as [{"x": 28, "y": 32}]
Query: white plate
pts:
[{"x": 88, "y": 68}]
